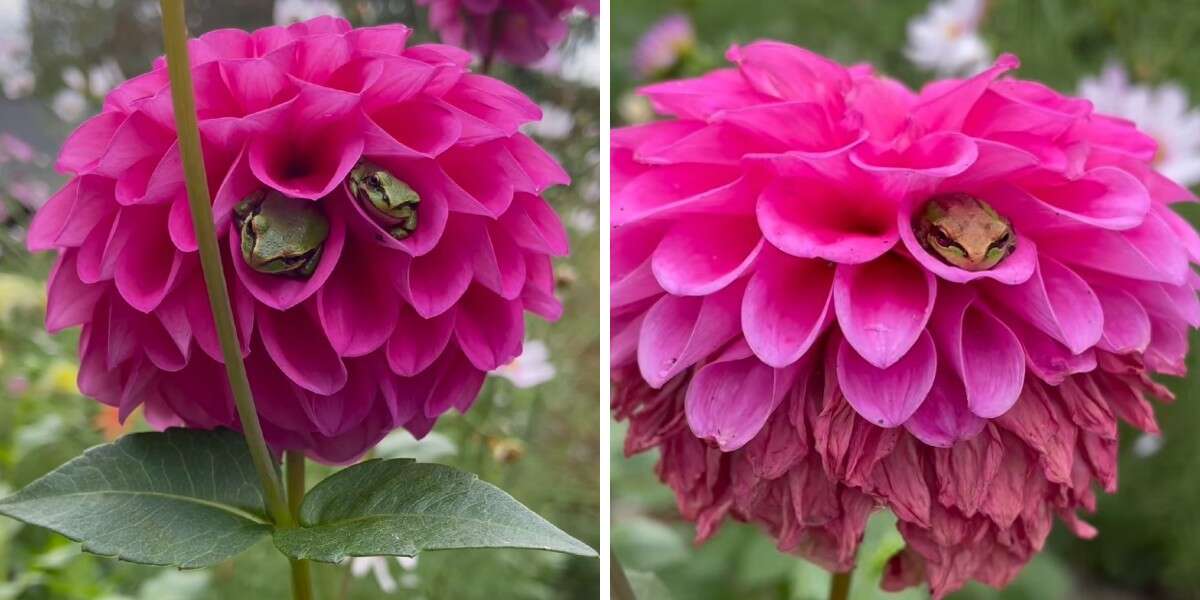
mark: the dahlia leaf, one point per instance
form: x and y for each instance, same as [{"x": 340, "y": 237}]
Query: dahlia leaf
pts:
[
  {"x": 400, "y": 507},
  {"x": 183, "y": 497}
]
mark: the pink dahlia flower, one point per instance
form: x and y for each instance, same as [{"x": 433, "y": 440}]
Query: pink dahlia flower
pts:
[
  {"x": 381, "y": 221},
  {"x": 518, "y": 31},
  {"x": 832, "y": 294},
  {"x": 664, "y": 46}
]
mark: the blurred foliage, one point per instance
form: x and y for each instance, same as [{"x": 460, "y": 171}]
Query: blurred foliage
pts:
[
  {"x": 549, "y": 434},
  {"x": 1149, "y": 543}
]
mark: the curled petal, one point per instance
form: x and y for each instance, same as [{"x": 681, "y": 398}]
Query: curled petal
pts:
[
  {"x": 887, "y": 397},
  {"x": 882, "y": 307},
  {"x": 810, "y": 219},
  {"x": 731, "y": 398},
  {"x": 702, "y": 255},
  {"x": 1057, "y": 301},
  {"x": 679, "y": 331},
  {"x": 788, "y": 305},
  {"x": 944, "y": 418}
]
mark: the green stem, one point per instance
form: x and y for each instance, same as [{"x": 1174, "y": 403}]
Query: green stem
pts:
[
  {"x": 183, "y": 97},
  {"x": 301, "y": 569},
  {"x": 618, "y": 581},
  {"x": 839, "y": 587}
]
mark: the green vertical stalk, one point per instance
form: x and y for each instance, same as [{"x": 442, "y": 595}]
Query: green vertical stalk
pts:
[
  {"x": 839, "y": 586},
  {"x": 620, "y": 588},
  {"x": 301, "y": 569},
  {"x": 184, "y": 100}
]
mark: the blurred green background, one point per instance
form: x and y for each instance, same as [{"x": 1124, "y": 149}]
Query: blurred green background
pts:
[
  {"x": 1149, "y": 543},
  {"x": 57, "y": 58}
]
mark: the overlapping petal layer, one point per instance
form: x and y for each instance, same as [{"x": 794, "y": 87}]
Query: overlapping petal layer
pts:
[
  {"x": 385, "y": 331},
  {"x": 800, "y": 356},
  {"x": 518, "y": 31}
]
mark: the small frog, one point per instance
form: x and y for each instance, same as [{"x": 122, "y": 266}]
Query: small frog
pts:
[
  {"x": 391, "y": 202},
  {"x": 964, "y": 232},
  {"x": 281, "y": 235}
]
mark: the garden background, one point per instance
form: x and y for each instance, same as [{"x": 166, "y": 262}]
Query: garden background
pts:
[
  {"x": 534, "y": 433},
  {"x": 1149, "y": 542}
]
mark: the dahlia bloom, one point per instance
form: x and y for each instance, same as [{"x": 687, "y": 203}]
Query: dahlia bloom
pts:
[
  {"x": 518, "y": 31},
  {"x": 381, "y": 223},
  {"x": 832, "y": 294}
]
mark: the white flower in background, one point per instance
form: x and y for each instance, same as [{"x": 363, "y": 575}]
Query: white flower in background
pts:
[
  {"x": 1163, "y": 112},
  {"x": 946, "y": 39},
  {"x": 1147, "y": 445},
  {"x": 379, "y": 567},
  {"x": 16, "y": 77},
  {"x": 69, "y": 105},
  {"x": 556, "y": 123},
  {"x": 531, "y": 368},
  {"x": 582, "y": 220},
  {"x": 102, "y": 78},
  {"x": 294, "y": 11}
]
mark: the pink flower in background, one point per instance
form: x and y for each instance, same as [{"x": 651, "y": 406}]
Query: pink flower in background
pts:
[
  {"x": 518, "y": 31},
  {"x": 663, "y": 46},
  {"x": 382, "y": 221},
  {"x": 831, "y": 293}
]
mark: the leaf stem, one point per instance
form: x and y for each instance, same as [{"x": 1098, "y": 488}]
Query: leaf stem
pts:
[
  {"x": 839, "y": 586},
  {"x": 184, "y": 101},
  {"x": 618, "y": 581},
  {"x": 301, "y": 569}
]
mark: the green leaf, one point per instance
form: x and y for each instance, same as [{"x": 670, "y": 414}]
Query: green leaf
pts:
[
  {"x": 182, "y": 497},
  {"x": 399, "y": 508},
  {"x": 647, "y": 586}
]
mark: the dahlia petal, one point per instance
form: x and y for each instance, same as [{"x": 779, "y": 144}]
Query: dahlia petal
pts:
[
  {"x": 800, "y": 126},
  {"x": 122, "y": 98},
  {"x": 883, "y": 306},
  {"x": 922, "y": 164},
  {"x": 718, "y": 144},
  {"x": 1167, "y": 352},
  {"x": 179, "y": 225},
  {"x": 414, "y": 128},
  {"x": 69, "y": 301},
  {"x": 688, "y": 263},
  {"x": 417, "y": 342},
  {"x": 493, "y": 102},
  {"x": 1057, "y": 301},
  {"x": 357, "y": 306},
  {"x": 538, "y": 295},
  {"x": 100, "y": 251},
  {"x": 824, "y": 224},
  {"x": 312, "y": 59},
  {"x": 984, "y": 352},
  {"x": 787, "y": 307},
  {"x": 948, "y": 109},
  {"x": 147, "y": 268},
  {"x": 1104, "y": 197},
  {"x": 487, "y": 176},
  {"x": 388, "y": 39},
  {"x": 1126, "y": 324},
  {"x": 294, "y": 340},
  {"x": 1149, "y": 251},
  {"x": 138, "y": 138},
  {"x": 538, "y": 165},
  {"x": 434, "y": 282},
  {"x": 701, "y": 97},
  {"x": 257, "y": 85},
  {"x": 944, "y": 418},
  {"x": 317, "y": 159},
  {"x": 535, "y": 226},
  {"x": 788, "y": 72},
  {"x": 489, "y": 329},
  {"x": 239, "y": 183},
  {"x": 679, "y": 189},
  {"x": 86, "y": 145},
  {"x": 1184, "y": 231},
  {"x": 679, "y": 331},
  {"x": 1027, "y": 107},
  {"x": 193, "y": 298},
  {"x": 71, "y": 214},
  {"x": 499, "y": 264},
  {"x": 283, "y": 293},
  {"x": 730, "y": 399},
  {"x": 887, "y": 397}
]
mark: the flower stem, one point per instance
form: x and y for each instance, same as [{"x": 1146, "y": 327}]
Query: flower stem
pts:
[
  {"x": 301, "y": 569},
  {"x": 619, "y": 582},
  {"x": 839, "y": 587}
]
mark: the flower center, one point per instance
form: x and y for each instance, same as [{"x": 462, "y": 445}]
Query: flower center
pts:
[
  {"x": 281, "y": 235},
  {"x": 964, "y": 231},
  {"x": 391, "y": 203}
]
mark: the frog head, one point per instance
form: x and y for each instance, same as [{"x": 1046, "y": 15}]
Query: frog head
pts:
[
  {"x": 965, "y": 232},
  {"x": 389, "y": 201},
  {"x": 281, "y": 235}
]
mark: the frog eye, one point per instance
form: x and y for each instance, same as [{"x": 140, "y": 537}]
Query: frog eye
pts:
[
  {"x": 942, "y": 239},
  {"x": 1001, "y": 242}
]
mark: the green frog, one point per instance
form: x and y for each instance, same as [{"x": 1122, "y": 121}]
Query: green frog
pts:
[
  {"x": 281, "y": 235},
  {"x": 965, "y": 232},
  {"x": 390, "y": 202}
]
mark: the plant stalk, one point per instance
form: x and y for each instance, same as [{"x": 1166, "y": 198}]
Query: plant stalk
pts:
[
  {"x": 617, "y": 580},
  {"x": 839, "y": 586},
  {"x": 301, "y": 569}
]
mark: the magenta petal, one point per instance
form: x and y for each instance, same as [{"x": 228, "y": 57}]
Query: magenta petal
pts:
[
  {"x": 148, "y": 266},
  {"x": 984, "y": 352},
  {"x": 788, "y": 304},
  {"x": 882, "y": 306},
  {"x": 87, "y": 144},
  {"x": 489, "y": 329},
  {"x": 809, "y": 219},
  {"x": 680, "y": 331},
  {"x": 1149, "y": 251},
  {"x": 71, "y": 214},
  {"x": 69, "y": 301},
  {"x": 541, "y": 168},
  {"x": 416, "y": 342},
  {"x": 943, "y": 418},
  {"x": 192, "y": 299},
  {"x": 538, "y": 295},
  {"x": 704, "y": 254},
  {"x": 499, "y": 264},
  {"x": 949, "y": 110},
  {"x": 1126, "y": 323},
  {"x": 435, "y": 281},
  {"x": 1057, "y": 301},
  {"x": 789, "y": 72},
  {"x": 535, "y": 226},
  {"x": 887, "y": 397},
  {"x": 429, "y": 182},
  {"x": 412, "y": 129},
  {"x": 357, "y": 306},
  {"x": 730, "y": 399},
  {"x": 299, "y": 349},
  {"x": 1105, "y": 197},
  {"x": 283, "y": 293},
  {"x": 1046, "y": 357},
  {"x": 483, "y": 178},
  {"x": 180, "y": 227}
]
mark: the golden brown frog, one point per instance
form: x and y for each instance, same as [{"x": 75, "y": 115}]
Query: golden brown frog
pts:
[{"x": 965, "y": 232}]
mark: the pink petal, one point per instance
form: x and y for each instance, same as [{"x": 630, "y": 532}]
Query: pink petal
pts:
[
  {"x": 982, "y": 350},
  {"x": 882, "y": 306},
  {"x": 680, "y": 331},
  {"x": 1149, "y": 251},
  {"x": 730, "y": 399},
  {"x": 71, "y": 214},
  {"x": 1126, "y": 324},
  {"x": 85, "y": 146},
  {"x": 416, "y": 342},
  {"x": 680, "y": 188},
  {"x": 415, "y": 128},
  {"x": 887, "y": 397},
  {"x": 1105, "y": 197},
  {"x": 1016, "y": 268},
  {"x": 541, "y": 168},
  {"x": 787, "y": 307},
  {"x": 499, "y": 264},
  {"x": 944, "y": 418},
  {"x": 809, "y": 218},
  {"x": 948, "y": 109},
  {"x": 788, "y": 72},
  {"x": 179, "y": 225},
  {"x": 295, "y": 342},
  {"x": 1057, "y": 301},
  {"x": 702, "y": 255},
  {"x": 358, "y": 306},
  {"x": 69, "y": 301},
  {"x": 489, "y": 329},
  {"x": 434, "y": 282},
  {"x": 535, "y": 226},
  {"x": 147, "y": 268}
]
